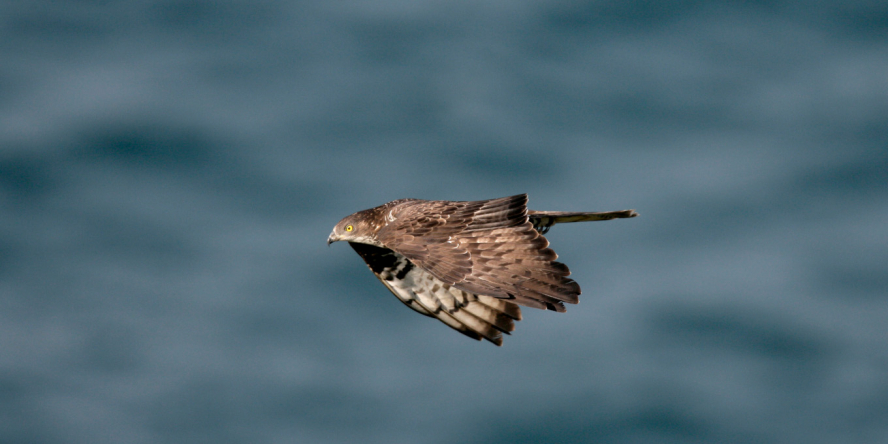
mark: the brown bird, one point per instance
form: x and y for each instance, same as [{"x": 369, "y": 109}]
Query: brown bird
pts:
[{"x": 467, "y": 263}]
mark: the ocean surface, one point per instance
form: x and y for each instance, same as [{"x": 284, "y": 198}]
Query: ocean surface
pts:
[{"x": 170, "y": 171}]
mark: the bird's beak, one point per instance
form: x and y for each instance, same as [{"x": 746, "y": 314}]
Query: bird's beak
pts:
[{"x": 332, "y": 238}]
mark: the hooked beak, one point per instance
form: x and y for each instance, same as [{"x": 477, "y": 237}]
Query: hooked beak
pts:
[{"x": 332, "y": 238}]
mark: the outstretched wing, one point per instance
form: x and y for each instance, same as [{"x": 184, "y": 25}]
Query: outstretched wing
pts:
[
  {"x": 485, "y": 247},
  {"x": 473, "y": 315}
]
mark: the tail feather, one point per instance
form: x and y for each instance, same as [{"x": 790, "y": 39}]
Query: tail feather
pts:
[{"x": 543, "y": 220}]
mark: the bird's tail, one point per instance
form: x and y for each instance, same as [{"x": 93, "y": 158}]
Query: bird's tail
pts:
[{"x": 543, "y": 220}]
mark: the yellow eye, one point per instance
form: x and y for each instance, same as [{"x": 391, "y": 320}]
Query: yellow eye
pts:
[{"x": 349, "y": 228}]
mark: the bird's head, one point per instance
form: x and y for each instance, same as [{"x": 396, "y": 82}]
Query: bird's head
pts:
[{"x": 354, "y": 228}]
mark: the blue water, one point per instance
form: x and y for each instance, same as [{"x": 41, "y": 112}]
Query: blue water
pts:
[{"x": 170, "y": 171}]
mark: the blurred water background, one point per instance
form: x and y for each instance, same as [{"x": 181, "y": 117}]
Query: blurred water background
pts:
[{"x": 170, "y": 170}]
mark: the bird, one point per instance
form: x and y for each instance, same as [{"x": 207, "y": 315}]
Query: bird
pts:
[{"x": 470, "y": 264}]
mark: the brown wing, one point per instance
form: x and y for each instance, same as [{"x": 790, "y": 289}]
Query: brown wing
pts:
[
  {"x": 425, "y": 232},
  {"x": 483, "y": 247}
]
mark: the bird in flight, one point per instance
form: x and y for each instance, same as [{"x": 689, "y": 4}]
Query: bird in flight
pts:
[{"x": 468, "y": 264}]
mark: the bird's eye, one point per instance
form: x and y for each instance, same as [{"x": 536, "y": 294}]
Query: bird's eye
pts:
[{"x": 349, "y": 228}]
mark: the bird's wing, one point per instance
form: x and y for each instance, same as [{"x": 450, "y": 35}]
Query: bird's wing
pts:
[
  {"x": 426, "y": 233},
  {"x": 475, "y": 316},
  {"x": 485, "y": 247}
]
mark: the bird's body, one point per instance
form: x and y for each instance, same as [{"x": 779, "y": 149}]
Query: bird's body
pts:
[{"x": 466, "y": 263}]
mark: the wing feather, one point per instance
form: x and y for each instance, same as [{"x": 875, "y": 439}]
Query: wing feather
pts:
[
  {"x": 476, "y": 316},
  {"x": 487, "y": 247}
]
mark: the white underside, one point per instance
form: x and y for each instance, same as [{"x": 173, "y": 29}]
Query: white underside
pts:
[{"x": 428, "y": 295}]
